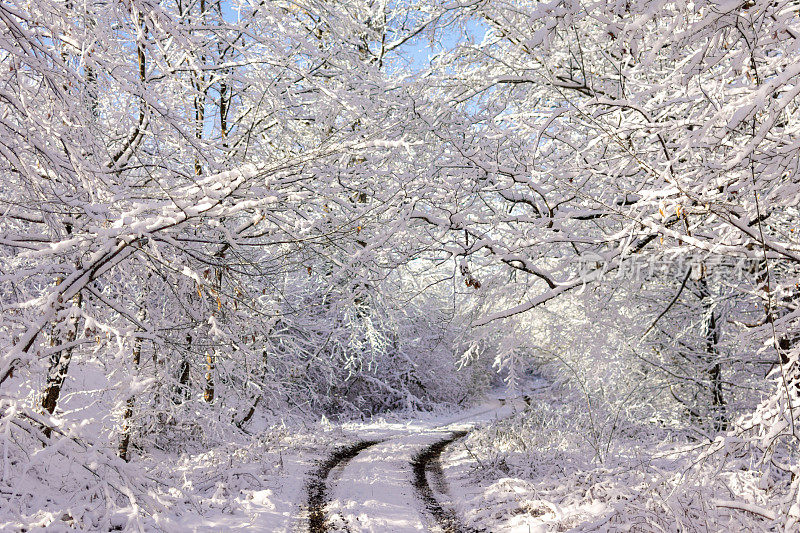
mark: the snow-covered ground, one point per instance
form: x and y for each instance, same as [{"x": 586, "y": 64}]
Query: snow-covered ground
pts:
[
  {"x": 230, "y": 489},
  {"x": 374, "y": 491},
  {"x": 480, "y": 476},
  {"x": 535, "y": 472},
  {"x": 250, "y": 483}
]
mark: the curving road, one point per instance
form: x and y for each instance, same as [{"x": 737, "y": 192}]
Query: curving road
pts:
[
  {"x": 317, "y": 487},
  {"x": 432, "y": 489},
  {"x": 392, "y": 481}
]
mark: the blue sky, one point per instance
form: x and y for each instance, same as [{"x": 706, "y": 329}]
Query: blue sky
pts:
[{"x": 419, "y": 50}]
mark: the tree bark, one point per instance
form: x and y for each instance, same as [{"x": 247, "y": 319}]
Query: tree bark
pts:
[
  {"x": 711, "y": 334},
  {"x": 59, "y": 366},
  {"x": 183, "y": 393},
  {"x": 125, "y": 441}
]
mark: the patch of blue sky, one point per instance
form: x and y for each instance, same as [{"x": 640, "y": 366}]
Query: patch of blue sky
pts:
[
  {"x": 422, "y": 50},
  {"x": 230, "y": 10}
]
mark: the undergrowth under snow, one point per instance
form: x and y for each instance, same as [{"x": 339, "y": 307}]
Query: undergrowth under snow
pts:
[{"x": 537, "y": 471}]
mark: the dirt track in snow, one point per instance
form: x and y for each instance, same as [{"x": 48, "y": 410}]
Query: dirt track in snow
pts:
[
  {"x": 317, "y": 488},
  {"x": 391, "y": 483},
  {"x": 427, "y": 469}
]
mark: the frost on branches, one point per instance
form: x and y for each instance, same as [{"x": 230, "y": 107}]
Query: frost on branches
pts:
[{"x": 221, "y": 216}]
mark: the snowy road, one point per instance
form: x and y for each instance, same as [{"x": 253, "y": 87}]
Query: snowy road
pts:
[
  {"x": 392, "y": 481},
  {"x": 432, "y": 488}
]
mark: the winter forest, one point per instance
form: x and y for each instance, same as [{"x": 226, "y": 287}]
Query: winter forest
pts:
[{"x": 399, "y": 265}]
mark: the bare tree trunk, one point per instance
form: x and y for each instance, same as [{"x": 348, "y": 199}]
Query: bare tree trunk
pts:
[
  {"x": 183, "y": 383},
  {"x": 91, "y": 77},
  {"x": 199, "y": 116},
  {"x": 198, "y": 82},
  {"x": 182, "y": 392},
  {"x": 712, "y": 366},
  {"x": 126, "y": 417},
  {"x": 128, "y": 414},
  {"x": 208, "y": 394},
  {"x": 224, "y": 97},
  {"x": 124, "y": 153},
  {"x": 251, "y": 412},
  {"x": 59, "y": 365}
]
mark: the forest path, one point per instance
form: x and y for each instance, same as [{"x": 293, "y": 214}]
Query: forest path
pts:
[
  {"x": 318, "y": 484},
  {"x": 432, "y": 488},
  {"x": 391, "y": 481}
]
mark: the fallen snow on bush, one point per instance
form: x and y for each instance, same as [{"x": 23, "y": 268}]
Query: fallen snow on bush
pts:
[{"x": 537, "y": 473}]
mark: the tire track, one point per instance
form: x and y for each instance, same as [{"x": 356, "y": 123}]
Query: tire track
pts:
[
  {"x": 428, "y": 461},
  {"x": 427, "y": 479},
  {"x": 317, "y": 488}
]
